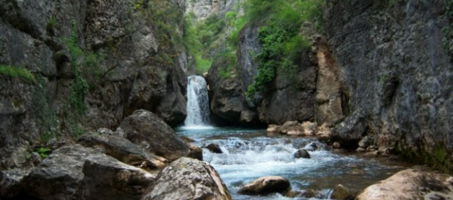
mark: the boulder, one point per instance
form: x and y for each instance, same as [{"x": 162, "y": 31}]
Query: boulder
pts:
[
  {"x": 415, "y": 183},
  {"x": 365, "y": 142},
  {"x": 78, "y": 172},
  {"x": 195, "y": 152},
  {"x": 187, "y": 179},
  {"x": 266, "y": 185},
  {"x": 60, "y": 174},
  {"x": 324, "y": 131},
  {"x": 124, "y": 150},
  {"x": 107, "y": 178},
  {"x": 336, "y": 145},
  {"x": 351, "y": 129},
  {"x": 341, "y": 192},
  {"x": 309, "y": 128},
  {"x": 214, "y": 148},
  {"x": 154, "y": 135},
  {"x": 10, "y": 182},
  {"x": 302, "y": 153}
]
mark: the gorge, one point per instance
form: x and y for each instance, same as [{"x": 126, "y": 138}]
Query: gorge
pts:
[{"x": 125, "y": 99}]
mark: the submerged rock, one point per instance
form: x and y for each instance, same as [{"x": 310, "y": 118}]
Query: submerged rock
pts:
[
  {"x": 416, "y": 183},
  {"x": 188, "y": 179},
  {"x": 267, "y": 185},
  {"x": 302, "y": 153},
  {"x": 153, "y": 134},
  {"x": 342, "y": 193},
  {"x": 214, "y": 148}
]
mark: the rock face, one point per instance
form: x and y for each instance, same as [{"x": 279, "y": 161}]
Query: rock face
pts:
[
  {"x": 296, "y": 89},
  {"x": 396, "y": 70},
  {"x": 267, "y": 185},
  {"x": 205, "y": 8},
  {"x": 188, "y": 179},
  {"x": 411, "y": 184},
  {"x": 128, "y": 62},
  {"x": 227, "y": 99},
  {"x": 147, "y": 130}
]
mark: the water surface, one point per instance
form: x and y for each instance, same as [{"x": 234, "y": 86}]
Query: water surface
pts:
[{"x": 249, "y": 154}]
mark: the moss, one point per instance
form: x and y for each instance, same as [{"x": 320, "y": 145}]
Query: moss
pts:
[
  {"x": 17, "y": 72},
  {"x": 438, "y": 158}
]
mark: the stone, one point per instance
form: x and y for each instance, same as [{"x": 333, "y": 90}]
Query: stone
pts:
[
  {"x": 324, "y": 131},
  {"x": 414, "y": 183},
  {"x": 266, "y": 185},
  {"x": 107, "y": 178},
  {"x": 365, "y": 142},
  {"x": 124, "y": 150},
  {"x": 272, "y": 128},
  {"x": 59, "y": 175},
  {"x": 302, "y": 153},
  {"x": 398, "y": 104},
  {"x": 195, "y": 152},
  {"x": 351, "y": 129},
  {"x": 10, "y": 182},
  {"x": 187, "y": 179},
  {"x": 336, "y": 145},
  {"x": 214, "y": 148},
  {"x": 151, "y": 133},
  {"x": 360, "y": 150},
  {"x": 341, "y": 192},
  {"x": 78, "y": 172},
  {"x": 310, "y": 128}
]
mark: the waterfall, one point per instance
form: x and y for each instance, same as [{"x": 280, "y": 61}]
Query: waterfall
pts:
[{"x": 197, "y": 103}]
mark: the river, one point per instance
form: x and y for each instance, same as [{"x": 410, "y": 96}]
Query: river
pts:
[{"x": 249, "y": 154}]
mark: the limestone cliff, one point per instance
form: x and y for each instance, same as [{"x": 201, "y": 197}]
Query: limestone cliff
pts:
[
  {"x": 396, "y": 72},
  {"x": 91, "y": 62}
]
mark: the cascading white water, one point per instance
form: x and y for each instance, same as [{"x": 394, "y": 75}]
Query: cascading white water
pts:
[{"x": 197, "y": 103}]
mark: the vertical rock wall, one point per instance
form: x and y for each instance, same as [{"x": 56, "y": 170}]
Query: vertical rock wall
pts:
[
  {"x": 131, "y": 62},
  {"x": 397, "y": 72}
]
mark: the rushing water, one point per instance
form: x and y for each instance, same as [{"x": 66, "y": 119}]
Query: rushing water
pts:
[
  {"x": 250, "y": 154},
  {"x": 197, "y": 103}
]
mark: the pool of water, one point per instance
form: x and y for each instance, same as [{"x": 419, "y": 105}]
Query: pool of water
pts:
[{"x": 249, "y": 154}]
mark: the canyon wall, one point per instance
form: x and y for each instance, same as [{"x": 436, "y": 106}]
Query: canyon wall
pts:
[
  {"x": 91, "y": 63},
  {"x": 396, "y": 72}
]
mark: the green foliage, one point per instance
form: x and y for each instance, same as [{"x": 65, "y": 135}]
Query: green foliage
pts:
[
  {"x": 79, "y": 85},
  {"x": 280, "y": 39},
  {"x": 199, "y": 38},
  {"x": 226, "y": 60},
  {"x": 52, "y": 22},
  {"x": 17, "y": 72},
  {"x": 43, "y": 152}
]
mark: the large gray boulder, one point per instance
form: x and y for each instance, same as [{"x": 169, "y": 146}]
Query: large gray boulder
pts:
[
  {"x": 77, "y": 172},
  {"x": 107, "y": 178},
  {"x": 124, "y": 150},
  {"x": 151, "y": 133},
  {"x": 188, "y": 179},
  {"x": 10, "y": 182},
  {"x": 415, "y": 183}
]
